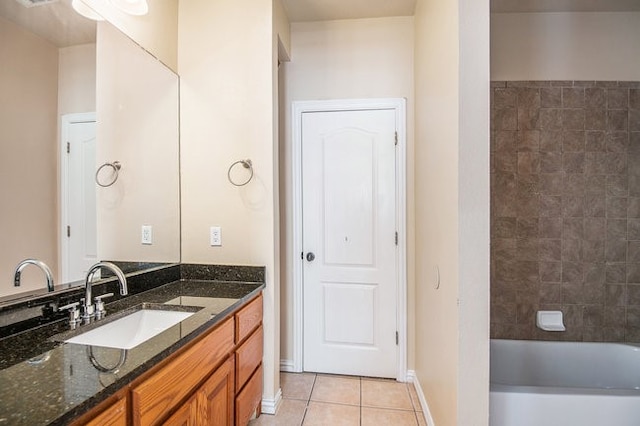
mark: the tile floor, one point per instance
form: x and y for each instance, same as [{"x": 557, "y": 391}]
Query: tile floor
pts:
[{"x": 320, "y": 399}]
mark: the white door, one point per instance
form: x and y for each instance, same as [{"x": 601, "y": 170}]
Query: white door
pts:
[
  {"x": 349, "y": 242},
  {"x": 79, "y": 198}
]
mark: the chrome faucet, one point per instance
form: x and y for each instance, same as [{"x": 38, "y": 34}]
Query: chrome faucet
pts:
[
  {"x": 88, "y": 308},
  {"x": 40, "y": 264}
]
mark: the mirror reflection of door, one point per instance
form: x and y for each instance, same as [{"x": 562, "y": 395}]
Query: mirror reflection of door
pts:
[{"x": 78, "y": 195}]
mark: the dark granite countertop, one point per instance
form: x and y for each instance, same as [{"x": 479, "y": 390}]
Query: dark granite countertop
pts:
[{"x": 44, "y": 381}]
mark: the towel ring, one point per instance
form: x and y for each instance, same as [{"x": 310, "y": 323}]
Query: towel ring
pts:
[
  {"x": 116, "y": 166},
  {"x": 247, "y": 165}
]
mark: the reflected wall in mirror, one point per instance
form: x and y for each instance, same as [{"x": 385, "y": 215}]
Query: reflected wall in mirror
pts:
[
  {"x": 50, "y": 91},
  {"x": 137, "y": 104}
]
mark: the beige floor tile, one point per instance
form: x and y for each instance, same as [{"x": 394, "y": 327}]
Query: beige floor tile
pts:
[
  {"x": 414, "y": 397},
  {"x": 297, "y": 385},
  {"x": 386, "y": 394},
  {"x": 321, "y": 414},
  {"x": 338, "y": 389},
  {"x": 380, "y": 416},
  {"x": 290, "y": 413},
  {"x": 421, "y": 420}
]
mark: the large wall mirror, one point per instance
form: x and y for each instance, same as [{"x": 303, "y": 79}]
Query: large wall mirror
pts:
[{"x": 76, "y": 97}]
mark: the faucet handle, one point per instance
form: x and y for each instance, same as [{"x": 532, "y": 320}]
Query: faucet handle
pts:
[
  {"x": 99, "y": 309},
  {"x": 74, "y": 314}
]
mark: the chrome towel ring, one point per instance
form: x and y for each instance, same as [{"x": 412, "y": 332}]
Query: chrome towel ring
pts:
[
  {"x": 247, "y": 165},
  {"x": 116, "y": 166}
]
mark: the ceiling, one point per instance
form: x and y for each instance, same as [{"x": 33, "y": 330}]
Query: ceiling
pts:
[
  {"x": 328, "y": 10},
  {"x": 55, "y": 21},
  {"x": 58, "y": 22}
]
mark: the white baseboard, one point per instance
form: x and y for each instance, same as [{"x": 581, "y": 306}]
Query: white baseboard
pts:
[
  {"x": 411, "y": 377},
  {"x": 286, "y": 365},
  {"x": 270, "y": 406}
]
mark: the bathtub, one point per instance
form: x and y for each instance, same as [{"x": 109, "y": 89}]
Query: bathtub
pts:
[{"x": 537, "y": 383}]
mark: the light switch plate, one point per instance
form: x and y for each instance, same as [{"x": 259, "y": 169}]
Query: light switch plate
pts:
[
  {"x": 147, "y": 234},
  {"x": 216, "y": 236}
]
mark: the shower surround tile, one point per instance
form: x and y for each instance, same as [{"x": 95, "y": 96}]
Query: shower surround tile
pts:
[{"x": 565, "y": 214}]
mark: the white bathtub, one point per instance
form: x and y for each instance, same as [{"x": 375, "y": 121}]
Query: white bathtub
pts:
[{"x": 537, "y": 383}]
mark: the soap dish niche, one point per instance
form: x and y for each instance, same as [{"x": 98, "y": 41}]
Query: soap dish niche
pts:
[{"x": 550, "y": 321}]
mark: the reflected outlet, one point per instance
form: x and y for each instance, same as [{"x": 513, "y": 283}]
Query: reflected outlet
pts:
[
  {"x": 147, "y": 234},
  {"x": 216, "y": 236}
]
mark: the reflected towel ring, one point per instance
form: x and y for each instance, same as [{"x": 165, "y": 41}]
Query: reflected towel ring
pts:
[
  {"x": 247, "y": 165},
  {"x": 116, "y": 166}
]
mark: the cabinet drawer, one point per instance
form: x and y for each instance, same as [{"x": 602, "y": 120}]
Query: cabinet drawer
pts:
[
  {"x": 158, "y": 395},
  {"x": 249, "y": 398},
  {"x": 248, "y": 357},
  {"x": 248, "y": 318}
]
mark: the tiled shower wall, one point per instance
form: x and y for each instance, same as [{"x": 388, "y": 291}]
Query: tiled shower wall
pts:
[{"x": 565, "y": 209}]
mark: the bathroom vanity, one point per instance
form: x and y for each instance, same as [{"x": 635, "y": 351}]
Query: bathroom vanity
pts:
[{"x": 206, "y": 369}]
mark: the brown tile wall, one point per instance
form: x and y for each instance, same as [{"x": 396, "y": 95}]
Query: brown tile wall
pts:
[{"x": 565, "y": 208}]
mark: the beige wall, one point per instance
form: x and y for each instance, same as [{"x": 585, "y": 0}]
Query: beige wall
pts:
[
  {"x": 228, "y": 70},
  {"x": 452, "y": 197},
  {"x": 28, "y": 159},
  {"x": 77, "y": 79},
  {"x": 565, "y": 46},
  {"x": 137, "y": 112},
  {"x": 364, "y": 58},
  {"x": 157, "y": 31}
]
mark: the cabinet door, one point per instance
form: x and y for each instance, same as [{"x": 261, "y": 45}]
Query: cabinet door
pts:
[
  {"x": 185, "y": 416},
  {"x": 216, "y": 397},
  {"x": 116, "y": 415}
]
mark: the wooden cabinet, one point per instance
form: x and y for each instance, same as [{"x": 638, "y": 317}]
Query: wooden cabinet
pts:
[
  {"x": 248, "y": 318},
  {"x": 216, "y": 397},
  {"x": 249, "y": 336},
  {"x": 186, "y": 415},
  {"x": 216, "y": 381},
  {"x": 248, "y": 400},
  {"x": 115, "y": 415},
  {"x": 212, "y": 404},
  {"x": 166, "y": 389}
]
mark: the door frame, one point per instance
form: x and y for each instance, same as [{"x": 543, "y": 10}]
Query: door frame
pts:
[
  {"x": 299, "y": 108},
  {"x": 65, "y": 121}
]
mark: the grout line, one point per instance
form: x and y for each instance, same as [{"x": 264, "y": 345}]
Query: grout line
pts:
[
  {"x": 313, "y": 385},
  {"x": 306, "y": 407},
  {"x": 360, "y": 418}
]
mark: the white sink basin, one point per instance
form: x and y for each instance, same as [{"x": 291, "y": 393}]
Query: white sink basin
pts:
[{"x": 128, "y": 332}]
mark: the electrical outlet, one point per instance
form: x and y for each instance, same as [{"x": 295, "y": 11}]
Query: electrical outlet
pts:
[
  {"x": 216, "y": 236},
  {"x": 147, "y": 234}
]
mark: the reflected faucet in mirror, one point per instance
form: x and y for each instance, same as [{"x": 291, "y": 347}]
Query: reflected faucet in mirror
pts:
[
  {"x": 88, "y": 309},
  {"x": 40, "y": 264}
]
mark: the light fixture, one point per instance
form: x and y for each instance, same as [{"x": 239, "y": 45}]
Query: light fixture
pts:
[
  {"x": 84, "y": 10},
  {"x": 132, "y": 7}
]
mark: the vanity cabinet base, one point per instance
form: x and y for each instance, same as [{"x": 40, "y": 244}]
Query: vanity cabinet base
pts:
[{"x": 215, "y": 381}]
